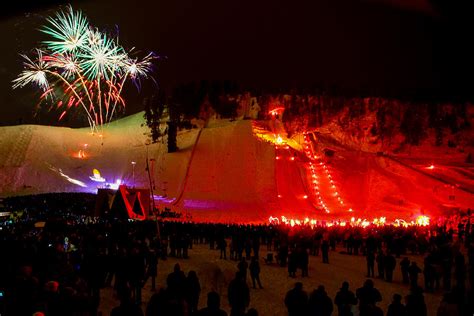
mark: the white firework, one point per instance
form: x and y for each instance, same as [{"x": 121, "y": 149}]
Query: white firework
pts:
[
  {"x": 69, "y": 31},
  {"x": 34, "y": 72}
]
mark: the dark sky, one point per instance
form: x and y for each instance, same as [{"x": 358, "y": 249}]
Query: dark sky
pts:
[{"x": 397, "y": 47}]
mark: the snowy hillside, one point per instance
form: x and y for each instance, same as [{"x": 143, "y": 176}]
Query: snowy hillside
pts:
[
  {"x": 40, "y": 159},
  {"x": 222, "y": 172}
]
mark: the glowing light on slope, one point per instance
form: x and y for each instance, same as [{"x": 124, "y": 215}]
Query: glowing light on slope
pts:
[
  {"x": 68, "y": 178},
  {"x": 279, "y": 140},
  {"x": 114, "y": 186},
  {"x": 96, "y": 176}
]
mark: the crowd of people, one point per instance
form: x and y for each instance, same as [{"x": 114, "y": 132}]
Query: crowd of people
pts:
[{"x": 60, "y": 268}]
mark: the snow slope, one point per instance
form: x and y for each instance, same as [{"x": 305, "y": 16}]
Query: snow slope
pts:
[
  {"x": 231, "y": 176},
  {"x": 377, "y": 186},
  {"x": 41, "y": 159},
  {"x": 221, "y": 173}
]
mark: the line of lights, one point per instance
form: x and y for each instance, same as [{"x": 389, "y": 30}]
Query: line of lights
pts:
[
  {"x": 312, "y": 157},
  {"x": 314, "y": 176},
  {"x": 421, "y": 220}
]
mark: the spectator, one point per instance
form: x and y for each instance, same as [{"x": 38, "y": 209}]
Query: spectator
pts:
[
  {"x": 152, "y": 269},
  {"x": 304, "y": 262},
  {"x": 222, "y": 247},
  {"x": 415, "y": 302},
  {"x": 243, "y": 266},
  {"x": 255, "y": 272},
  {"x": 126, "y": 307},
  {"x": 176, "y": 281},
  {"x": 213, "y": 306},
  {"x": 325, "y": 251},
  {"x": 428, "y": 273},
  {"x": 238, "y": 295},
  {"x": 396, "y": 308},
  {"x": 344, "y": 300},
  {"x": 193, "y": 288},
  {"x": 390, "y": 263},
  {"x": 292, "y": 263},
  {"x": 368, "y": 297},
  {"x": 404, "y": 266},
  {"x": 413, "y": 272},
  {"x": 296, "y": 301},
  {"x": 370, "y": 264},
  {"x": 320, "y": 304},
  {"x": 381, "y": 264}
]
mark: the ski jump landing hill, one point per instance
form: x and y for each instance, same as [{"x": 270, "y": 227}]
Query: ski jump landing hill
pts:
[{"x": 222, "y": 173}]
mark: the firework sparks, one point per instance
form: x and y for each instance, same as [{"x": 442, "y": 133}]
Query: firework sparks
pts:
[
  {"x": 69, "y": 30},
  {"x": 104, "y": 58},
  {"x": 139, "y": 70},
  {"x": 67, "y": 64},
  {"x": 83, "y": 66},
  {"x": 34, "y": 72}
]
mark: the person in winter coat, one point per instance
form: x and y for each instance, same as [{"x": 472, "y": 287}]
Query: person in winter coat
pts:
[
  {"x": 255, "y": 272},
  {"x": 296, "y": 301},
  {"x": 193, "y": 290},
  {"x": 368, "y": 296},
  {"x": 344, "y": 300},
  {"x": 320, "y": 304},
  {"x": 415, "y": 302},
  {"x": 413, "y": 272},
  {"x": 238, "y": 295},
  {"x": 390, "y": 263},
  {"x": 404, "y": 265},
  {"x": 396, "y": 308},
  {"x": 213, "y": 306}
]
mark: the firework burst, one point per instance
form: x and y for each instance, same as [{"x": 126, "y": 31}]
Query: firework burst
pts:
[
  {"x": 34, "y": 72},
  {"x": 83, "y": 67},
  {"x": 69, "y": 31}
]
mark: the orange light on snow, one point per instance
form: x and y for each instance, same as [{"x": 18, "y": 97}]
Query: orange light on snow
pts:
[{"x": 80, "y": 154}]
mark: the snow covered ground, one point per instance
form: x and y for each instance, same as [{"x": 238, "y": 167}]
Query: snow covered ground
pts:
[{"x": 215, "y": 274}]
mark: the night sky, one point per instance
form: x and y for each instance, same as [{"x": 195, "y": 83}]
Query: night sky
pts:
[{"x": 388, "y": 47}]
